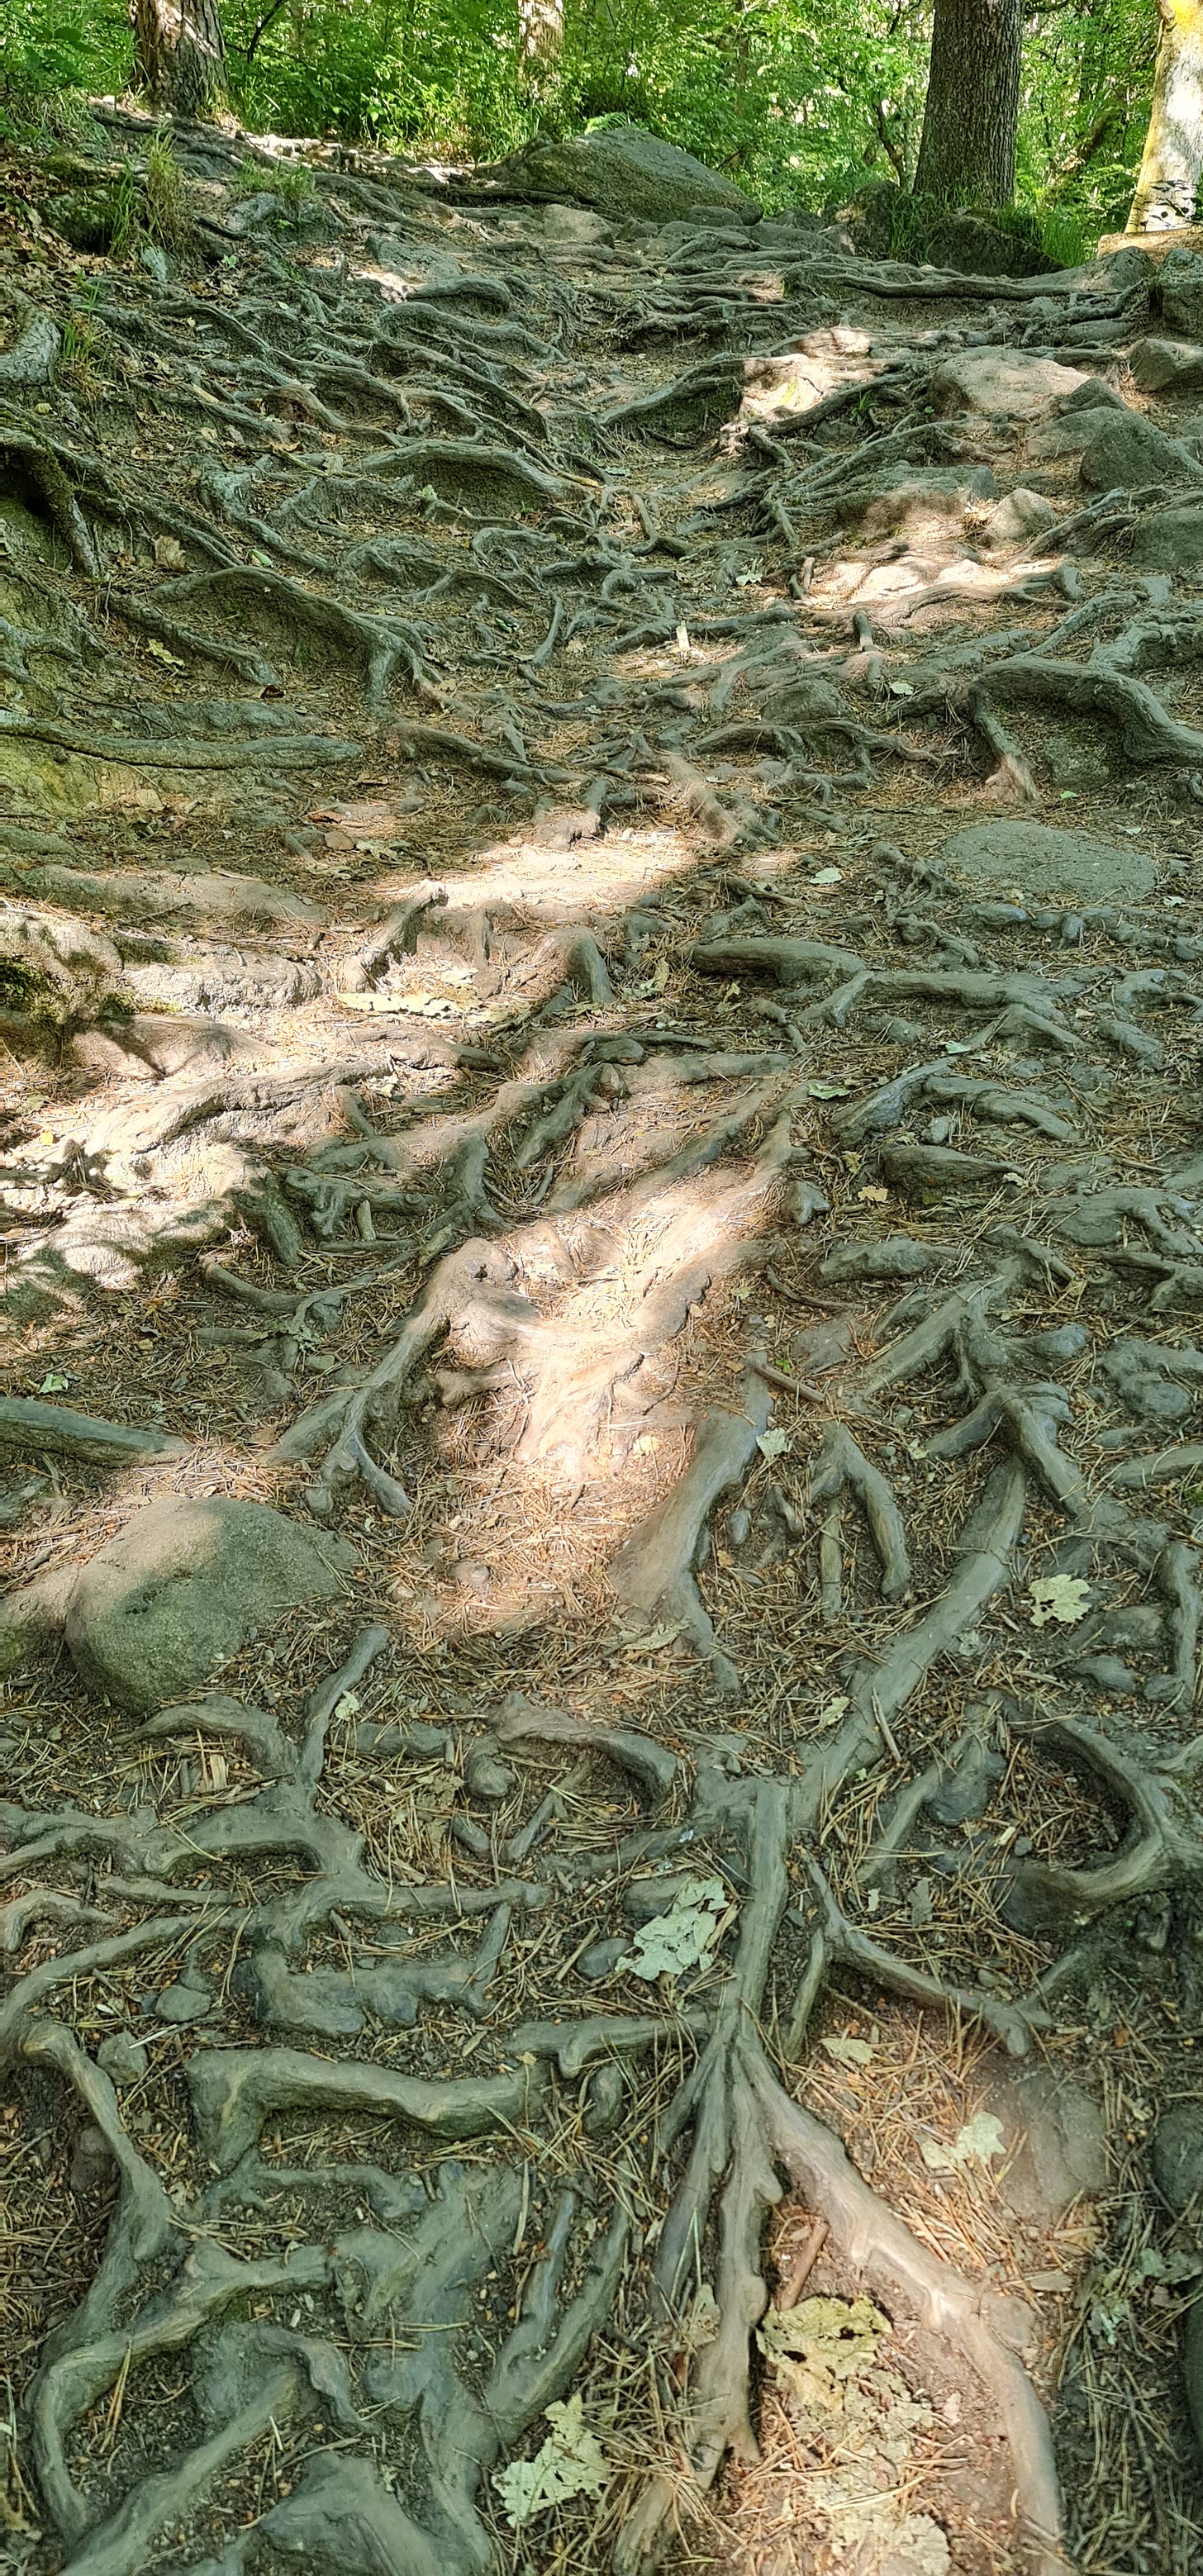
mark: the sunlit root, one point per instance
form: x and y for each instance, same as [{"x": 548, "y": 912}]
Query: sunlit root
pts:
[
  {"x": 396, "y": 937},
  {"x": 653, "y": 1572}
]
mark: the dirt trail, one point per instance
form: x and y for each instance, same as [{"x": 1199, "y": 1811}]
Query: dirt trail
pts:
[{"x": 577, "y": 1121}]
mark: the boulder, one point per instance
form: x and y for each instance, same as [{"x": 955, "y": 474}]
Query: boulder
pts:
[
  {"x": 1179, "y": 292},
  {"x": 1167, "y": 366},
  {"x": 1178, "y": 2154},
  {"x": 621, "y": 171},
  {"x": 1094, "y": 394},
  {"x": 960, "y": 239},
  {"x": 1009, "y": 384},
  {"x": 1169, "y": 540},
  {"x": 1043, "y": 861},
  {"x": 911, "y": 496},
  {"x": 575, "y": 228},
  {"x": 1128, "y": 451},
  {"x": 1022, "y": 514},
  {"x": 183, "y": 1586}
]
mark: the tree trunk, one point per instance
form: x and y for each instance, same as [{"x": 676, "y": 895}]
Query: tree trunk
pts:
[
  {"x": 1173, "y": 155},
  {"x": 540, "y": 41},
  {"x": 967, "y": 153},
  {"x": 180, "y": 55}
]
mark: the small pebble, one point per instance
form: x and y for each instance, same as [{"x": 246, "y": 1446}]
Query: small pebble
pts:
[{"x": 184, "y": 2001}]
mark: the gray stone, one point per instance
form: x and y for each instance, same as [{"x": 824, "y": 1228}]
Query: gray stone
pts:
[
  {"x": 210, "y": 896},
  {"x": 186, "y": 2000},
  {"x": 1009, "y": 384},
  {"x": 1095, "y": 394},
  {"x": 576, "y": 227},
  {"x": 92, "y": 2162},
  {"x": 1040, "y": 859},
  {"x": 968, "y": 1790},
  {"x": 1020, "y": 515},
  {"x": 1060, "y": 2139},
  {"x": 1180, "y": 292},
  {"x": 183, "y": 1586},
  {"x": 1169, "y": 540},
  {"x": 907, "y": 493},
  {"x": 484, "y": 1775},
  {"x": 123, "y": 2057},
  {"x": 621, "y": 171},
  {"x": 1178, "y": 2154},
  {"x": 1167, "y": 366},
  {"x": 1128, "y": 451},
  {"x": 1070, "y": 434},
  {"x": 1081, "y": 767}
]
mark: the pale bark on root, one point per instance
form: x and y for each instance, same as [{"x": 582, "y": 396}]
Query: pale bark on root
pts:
[{"x": 654, "y": 1571}]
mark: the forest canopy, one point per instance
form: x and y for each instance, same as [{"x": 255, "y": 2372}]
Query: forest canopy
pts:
[{"x": 801, "y": 102}]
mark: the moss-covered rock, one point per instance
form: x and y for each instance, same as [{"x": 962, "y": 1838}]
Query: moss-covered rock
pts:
[
  {"x": 88, "y": 218},
  {"x": 621, "y": 171}
]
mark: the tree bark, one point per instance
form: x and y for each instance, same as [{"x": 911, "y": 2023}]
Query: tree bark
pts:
[
  {"x": 1173, "y": 155},
  {"x": 540, "y": 41},
  {"x": 967, "y": 152},
  {"x": 180, "y": 54}
]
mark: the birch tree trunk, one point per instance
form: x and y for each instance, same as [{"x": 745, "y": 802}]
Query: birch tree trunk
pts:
[{"x": 1173, "y": 155}]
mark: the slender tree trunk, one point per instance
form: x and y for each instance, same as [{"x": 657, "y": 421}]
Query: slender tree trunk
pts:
[
  {"x": 967, "y": 151},
  {"x": 180, "y": 54},
  {"x": 1173, "y": 153},
  {"x": 540, "y": 41}
]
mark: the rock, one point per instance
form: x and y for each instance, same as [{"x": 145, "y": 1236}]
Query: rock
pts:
[
  {"x": 1167, "y": 366},
  {"x": 1169, "y": 540},
  {"x": 123, "y": 2057},
  {"x": 1021, "y": 514},
  {"x": 183, "y": 1586},
  {"x": 1094, "y": 394},
  {"x": 1177, "y": 2154},
  {"x": 602, "y": 1957},
  {"x": 622, "y": 172},
  {"x": 1063, "y": 2154},
  {"x": 1040, "y": 859},
  {"x": 1128, "y": 451},
  {"x": 607, "y": 2092},
  {"x": 968, "y": 1790},
  {"x": 869, "y": 216},
  {"x": 1009, "y": 384},
  {"x": 92, "y": 2164},
  {"x": 484, "y": 1775},
  {"x": 187, "y": 2000},
  {"x": 970, "y": 243},
  {"x": 88, "y": 218},
  {"x": 1179, "y": 292},
  {"x": 907, "y": 496},
  {"x": 575, "y": 227},
  {"x": 1075, "y": 765}
]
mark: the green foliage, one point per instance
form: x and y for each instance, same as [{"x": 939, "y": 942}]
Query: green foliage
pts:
[
  {"x": 50, "y": 51},
  {"x": 802, "y": 101}
]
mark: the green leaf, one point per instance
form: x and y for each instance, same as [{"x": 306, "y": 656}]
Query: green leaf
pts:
[
  {"x": 1061, "y": 1597},
  {"x": 680, "y": 1939},
  {"x": 570, "y": 2463},
  {"x": 981, "y": 2137}
]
